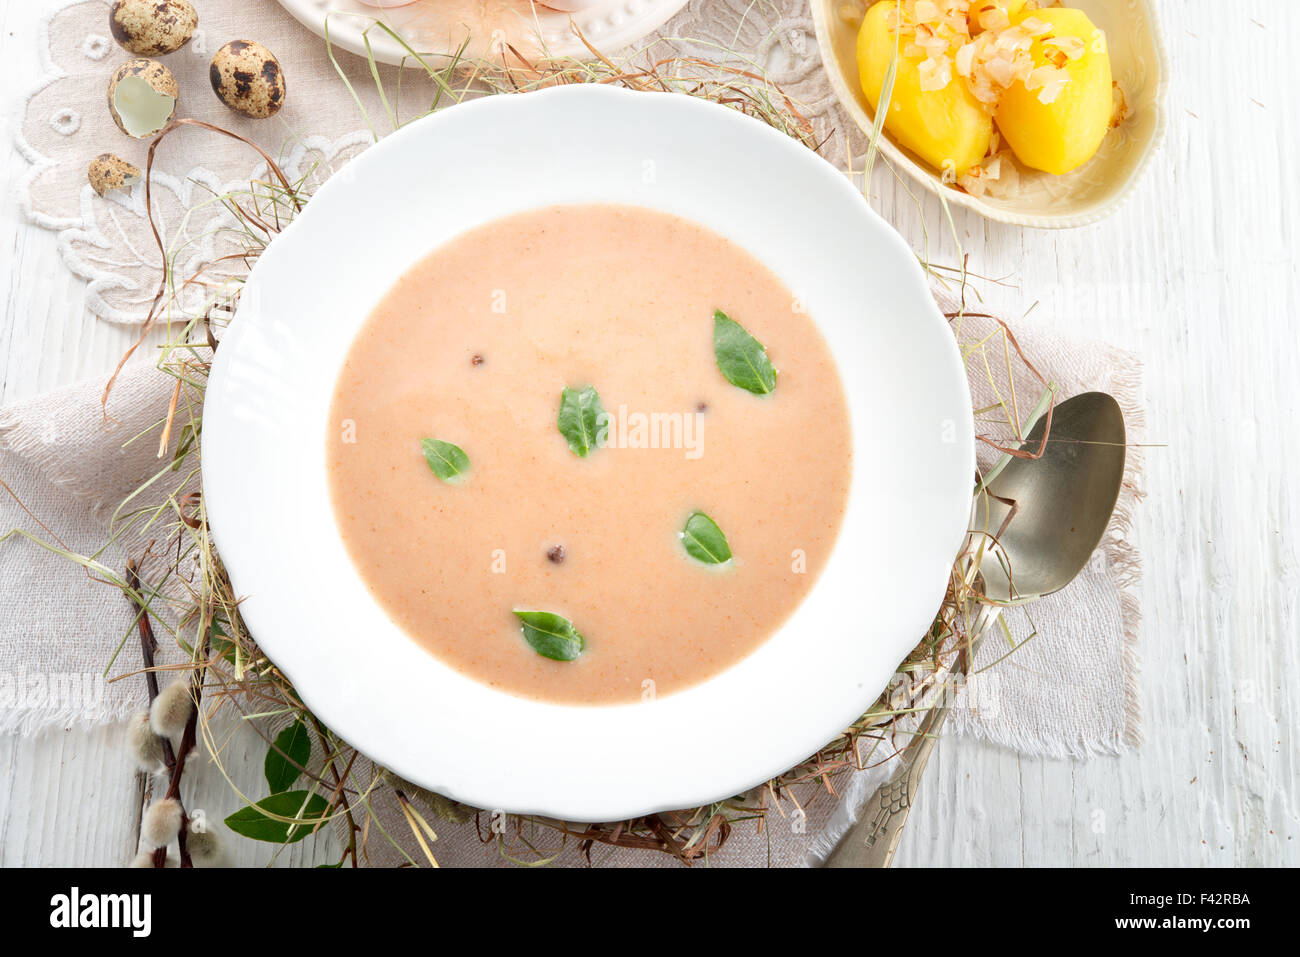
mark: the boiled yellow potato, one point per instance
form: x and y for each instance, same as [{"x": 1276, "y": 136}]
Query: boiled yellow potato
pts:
[
  {"x": 945, "y": 127},
  {"x": 1060, "y": 136}
]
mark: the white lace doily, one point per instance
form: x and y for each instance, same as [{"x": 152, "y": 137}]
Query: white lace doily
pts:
[{"x": 108, "y": 242}]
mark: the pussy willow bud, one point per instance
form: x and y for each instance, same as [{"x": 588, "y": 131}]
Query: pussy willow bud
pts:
[
  {"x": 444, "y": 807},
  {"x": 162, "y": 822},
  {"x": 171, "y": 709},
  {"x": 146, "y": 747},
  {"x": 204, "y": 848}
]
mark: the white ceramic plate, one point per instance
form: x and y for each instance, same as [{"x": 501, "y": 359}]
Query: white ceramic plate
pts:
[
  {"x": 265, "y": 428},
  {"x": 609, "y": 25},
  {"x": 1097, "y": 188}
]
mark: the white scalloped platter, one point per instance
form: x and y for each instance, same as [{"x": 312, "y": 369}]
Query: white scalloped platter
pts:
[
  {"x": 267, "y": 411},
  {"x": 1088, "y": 194},
  {"x": 609, "y": 25}
]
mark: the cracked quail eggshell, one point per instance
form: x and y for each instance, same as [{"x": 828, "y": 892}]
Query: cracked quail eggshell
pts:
[
  {"x": 142, "y": 96},
  {"x": 108, "y": 172}
]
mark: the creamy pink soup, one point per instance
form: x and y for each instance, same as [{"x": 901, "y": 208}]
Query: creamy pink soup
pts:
[{"x": 474, "y": 347}]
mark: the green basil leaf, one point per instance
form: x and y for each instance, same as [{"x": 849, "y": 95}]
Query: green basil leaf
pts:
[
  {"x": 579, "y": 419},
  {"x": 449, "y": 462},
  {"x": 550, "y": 635},
  {"x": 287, "y": 757},
  {"x": 704, "y": 541},
  {"x": 252, "y": 821},
  {"x": 741, "y": 357}
]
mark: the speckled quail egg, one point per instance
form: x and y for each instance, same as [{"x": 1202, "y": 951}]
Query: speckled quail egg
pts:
[
  {"x": 152, "y": 27},
  {"x": 142, "y": 97},
  {"x": 109, "y": 172},
  {"x": 247, "y": 77}
]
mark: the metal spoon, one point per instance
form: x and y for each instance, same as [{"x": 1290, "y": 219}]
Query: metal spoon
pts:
[{"x": 1058, "y": 508}]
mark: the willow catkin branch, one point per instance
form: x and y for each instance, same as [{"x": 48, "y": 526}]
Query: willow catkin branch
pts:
[
  {"x": 174, "y": 758},
  {"x": 148, "y": 647}
]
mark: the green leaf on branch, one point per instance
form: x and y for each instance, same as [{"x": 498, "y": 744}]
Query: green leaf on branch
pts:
[
  {"x": 305, "y": 811},
  {"x": 287, "y": 757}
]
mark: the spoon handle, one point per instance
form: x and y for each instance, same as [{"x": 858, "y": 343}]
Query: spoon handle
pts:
[{"x": 878, "y": 827}]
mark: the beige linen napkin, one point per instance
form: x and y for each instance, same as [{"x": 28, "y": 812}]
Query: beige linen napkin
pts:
[{"x": 65, "y": 469}]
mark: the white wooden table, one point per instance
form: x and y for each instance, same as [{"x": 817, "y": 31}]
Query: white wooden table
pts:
[{"x": 1198, "y": 274}]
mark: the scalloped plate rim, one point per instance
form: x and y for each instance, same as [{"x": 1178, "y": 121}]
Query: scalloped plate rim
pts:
[{"x": 652, "y": 15}]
